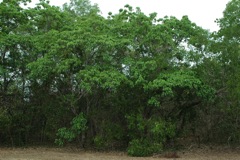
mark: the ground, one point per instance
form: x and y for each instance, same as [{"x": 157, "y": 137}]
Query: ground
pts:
[{"x": 44, "y": 153}]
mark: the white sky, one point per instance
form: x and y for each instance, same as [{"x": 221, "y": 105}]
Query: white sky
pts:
[{"x": 201, "y": 12}]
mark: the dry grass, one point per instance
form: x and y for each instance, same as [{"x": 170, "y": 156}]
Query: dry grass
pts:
[{"x": 74, "y": 154}]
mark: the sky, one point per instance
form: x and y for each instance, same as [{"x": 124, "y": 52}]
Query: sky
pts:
[{"x": 201, "y": 12}]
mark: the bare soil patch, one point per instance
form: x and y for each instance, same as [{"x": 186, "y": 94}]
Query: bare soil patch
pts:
[{"x": 39, "y": 153}]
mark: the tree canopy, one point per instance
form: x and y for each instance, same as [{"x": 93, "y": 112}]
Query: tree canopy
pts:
[{"x": 131, "y": 80}]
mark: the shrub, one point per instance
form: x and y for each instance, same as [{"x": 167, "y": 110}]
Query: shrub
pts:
[
  {"x": 78, "y": 125},
  {"x": 143, "y": 147},
  {"x": 148, "y": 135}
]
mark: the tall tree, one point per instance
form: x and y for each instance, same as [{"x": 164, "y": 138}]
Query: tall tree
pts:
[
  {"x": 81, "y": 7},
  {"x": 228, "y": 43}
]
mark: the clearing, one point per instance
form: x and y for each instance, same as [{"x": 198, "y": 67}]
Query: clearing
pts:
[{"x": 44, "y": 153}]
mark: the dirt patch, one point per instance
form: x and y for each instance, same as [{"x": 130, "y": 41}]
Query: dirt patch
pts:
[{"x": 75, "y": 154}]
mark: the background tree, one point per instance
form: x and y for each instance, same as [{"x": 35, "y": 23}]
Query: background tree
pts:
[{"x": 227, "y": 39}]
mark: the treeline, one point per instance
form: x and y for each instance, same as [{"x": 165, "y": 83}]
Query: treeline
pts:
[{"x": 129, "y": 81}]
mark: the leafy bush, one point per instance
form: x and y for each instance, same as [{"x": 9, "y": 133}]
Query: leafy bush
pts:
[
  {"x": 161, "y": 130},
  {"x": 99, "y": 142},
  {"x": 111, "y": 136},
  {"x": 148, "y": 135},
  {"x": 143, "y": 147},
  {"x": 78, "y": 125}
]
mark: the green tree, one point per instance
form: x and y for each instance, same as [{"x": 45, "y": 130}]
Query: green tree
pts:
[
  {"x": 228, "y": 43},
  {"x": 15, "y": 41},
  {"x": 81, "y": 7},
  {"x": 131, "y": 80}
]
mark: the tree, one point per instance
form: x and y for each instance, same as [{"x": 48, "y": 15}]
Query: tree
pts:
[
  {"x": 15, "y": 41},
  {"x": 130, "y": 81},
  {"x": 228, "y": 42},
  {"x": 81, "y": 7}
]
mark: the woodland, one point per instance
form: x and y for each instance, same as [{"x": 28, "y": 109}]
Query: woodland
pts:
[{"x": 129, "y": 81}]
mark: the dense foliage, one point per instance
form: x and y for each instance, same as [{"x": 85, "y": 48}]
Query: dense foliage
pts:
[{"x": 129, "y": 81}]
